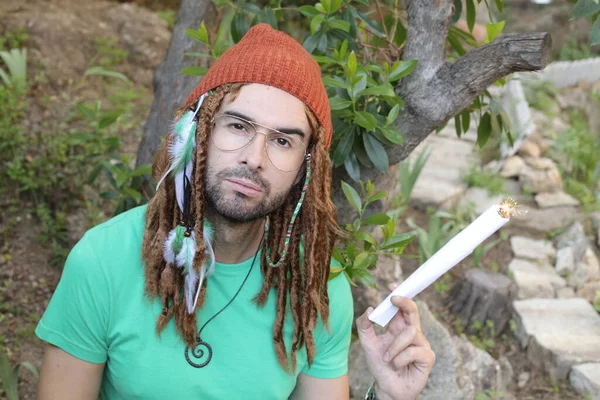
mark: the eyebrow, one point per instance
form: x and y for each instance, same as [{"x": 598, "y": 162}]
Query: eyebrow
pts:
[{"x": 289, "y": 131}]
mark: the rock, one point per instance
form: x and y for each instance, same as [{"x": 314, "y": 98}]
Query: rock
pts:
[
  {"x": 448, "y": 157},
  {"x": 573, "y": 237},
  {"x": 485, "y": 372},
  {"x": 479, "y": 198},
  {"x": 589, "y": 291},
  {"x": 540, "y": 141},
  {"x": 544, "y": 220},
  {"x": 529, "y": 149},
  {"x": 483, "y": 296},
  {"x": 523, "y": 379},
  {"x": 512, "y": 167},
  {"x": 540, "y": 180},
  {"x": 585, "y": 378},
  {"x": 446, "y": 380},
  {"x": 558, "y": 333},
  {"x": 565, "y": 293},
  {"x": 540, "y": 163},
  {"x": 359, "y": 376},
  {"x": 524, "y": 247},
  {"x": 590, "y": 261},
  {"x": 534, "y": 280},
  {"x": 596, "y": 225},
  {"x": 554, "y": 199},
  {"x": 588, "y": 269},
  {"x": 565, "y": 261}
]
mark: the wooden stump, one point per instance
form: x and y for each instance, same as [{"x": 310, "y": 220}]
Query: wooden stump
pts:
[{"x": 483, "y": 296}]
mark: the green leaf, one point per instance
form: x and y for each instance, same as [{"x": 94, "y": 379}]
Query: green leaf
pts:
[
  {"x": 484, "y": 129},
  {"x": 401, "y": 68},
  {"x": 143, "y": 169},
  {"x": 239, "y": 27},
  {"x": 196, "y": 54},
  {"x": 584, "y": 8},
  {"x": 352, "y": 167},
  {"x": 333, "y": 82},
  {"x": 376, "y": 219},
  {"x": 372, "y": 25},
  {"x": 376, "y": 152},
  {"x": 361, "y": 261},
  {"x": 377, "y": 196},
  {"x": 337, "y": 103},
  {"x": 392, "y": 134},
  {"x": 311, "y": 42},
  {"x": 500, "y": 5},
  {"x": 94, "y": 174},
  {"x": 381, "y": 90},
  {"x": 344, "y": 147},
  {"x": 365, "y": 120},
  {"x": 392, "y": 115},
  {"x": 267, "y": 15},
  {"x": 325, "y": 60},
  {"x": 339, "y": 24},
  {"x": 308, "y": 11},
  {"x": 109, "y": 119},
  {"x": 326, "y": 5},
  {"x": 315, "y": 23},
  {"x": 458, "y": 125},
  {"x": 365, "y": 236},
  {"x": 251, "y": 8},
  {"x": 398, "y": 242},
  {"x": 470, "y": 14},
  {"x": 194, "y": 71},
  {"x": 352, "y": 64},
  {"x": 134, "y": 194},
  {"x": 455, "y": 43},
  {"x": 493, "y": 30},
  {"x": 595, "y": 33},
  {"x": 335, "y": 5},
  {"x": 352, "y": 197},
  {"x": 466, "y": 121},
  {"x": 200, "y": 35},
  {"x": 457, "y": 11},
  {"x": 105, "y": 72}
]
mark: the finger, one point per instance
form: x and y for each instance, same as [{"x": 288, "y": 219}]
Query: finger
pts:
[
  {"x": 401, "y": 342},
  {"x": 366, "y": 333},
  {"x": 393, "y": 286},
  {"x": 422, "y": 358},
  {"x": 409, "y": 310}
]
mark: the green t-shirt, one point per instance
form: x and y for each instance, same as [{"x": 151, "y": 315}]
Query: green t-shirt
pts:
[{"x": 99, "y": 313}]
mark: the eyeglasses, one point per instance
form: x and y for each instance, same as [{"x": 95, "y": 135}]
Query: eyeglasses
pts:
[{"x": 231, "y": 133}]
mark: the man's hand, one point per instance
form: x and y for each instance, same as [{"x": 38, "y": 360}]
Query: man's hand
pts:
[{"x": 401, "y": 358}]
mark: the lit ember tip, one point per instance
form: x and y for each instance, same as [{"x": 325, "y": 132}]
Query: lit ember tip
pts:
[{"x": 508, "y": 208}]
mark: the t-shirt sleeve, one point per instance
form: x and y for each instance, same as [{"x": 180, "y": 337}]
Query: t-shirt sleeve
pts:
[
  {"x": 76, "y": 319},
  {"x": 331, "y": 358}
]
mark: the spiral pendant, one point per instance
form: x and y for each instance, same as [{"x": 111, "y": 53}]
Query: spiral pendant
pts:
[{"x": 200, "y": 355}]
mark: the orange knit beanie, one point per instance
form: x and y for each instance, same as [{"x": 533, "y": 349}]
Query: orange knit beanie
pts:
[{"x": 271, "y": 57}]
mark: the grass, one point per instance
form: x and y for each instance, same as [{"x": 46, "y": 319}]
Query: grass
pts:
[{"x": 478, "y": 177}]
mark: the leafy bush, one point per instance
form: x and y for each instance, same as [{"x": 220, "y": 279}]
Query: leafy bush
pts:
[{"x": 361, "y": 251}]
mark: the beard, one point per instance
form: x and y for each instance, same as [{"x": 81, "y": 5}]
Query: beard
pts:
[{"x": 234, "y": 209}]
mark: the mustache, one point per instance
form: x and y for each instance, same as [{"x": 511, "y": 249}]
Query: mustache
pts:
[{"x": 245, "y": 173}]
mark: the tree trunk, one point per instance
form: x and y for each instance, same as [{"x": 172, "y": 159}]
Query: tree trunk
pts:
[
  {"x": 170, "y": 87},
  {"x": 483, "y": 296}
]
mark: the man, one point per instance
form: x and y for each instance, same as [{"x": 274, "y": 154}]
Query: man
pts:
[{"x": 218, "y": 288}]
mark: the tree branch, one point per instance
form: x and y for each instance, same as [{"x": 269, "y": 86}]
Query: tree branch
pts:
[
  {"x": 170, "y": 87},
  {"x": 435, "y": 91}
]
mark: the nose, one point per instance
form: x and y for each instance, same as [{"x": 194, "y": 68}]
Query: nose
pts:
[{"x": 254, "y": 155}]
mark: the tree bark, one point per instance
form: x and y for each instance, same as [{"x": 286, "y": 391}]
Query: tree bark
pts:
[
  {"x": 483, "y": 296},
  {"x": 170, "y": 87},
  {"x": 438, "y": 90}
]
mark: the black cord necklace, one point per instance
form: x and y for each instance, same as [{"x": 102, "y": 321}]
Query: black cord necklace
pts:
[{"x": 202, "y": 348}]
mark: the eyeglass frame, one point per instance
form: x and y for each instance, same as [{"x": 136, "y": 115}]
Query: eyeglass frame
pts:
[{"x": 305, "y": 157}]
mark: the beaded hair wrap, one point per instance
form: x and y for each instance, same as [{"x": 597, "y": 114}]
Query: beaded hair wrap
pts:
[
  {"x": 180, "y": 246},
  {"x": 288, "y": 235}
]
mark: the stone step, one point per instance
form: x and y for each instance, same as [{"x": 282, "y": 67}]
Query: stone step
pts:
[
  {"x": 535, "y": 280},
  {"x": 558, "y": 333},
  {"x": 585, "y": 378}
]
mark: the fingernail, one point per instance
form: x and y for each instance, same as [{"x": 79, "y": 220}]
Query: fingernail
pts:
[
  {"x": 386, "y": 357},
  {"x": 397, "y": 298}
]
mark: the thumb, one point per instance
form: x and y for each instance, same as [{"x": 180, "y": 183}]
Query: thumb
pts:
[{"x": 366, "y": 333}]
